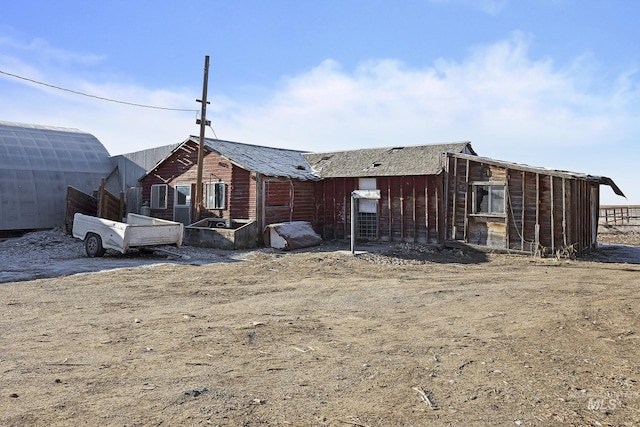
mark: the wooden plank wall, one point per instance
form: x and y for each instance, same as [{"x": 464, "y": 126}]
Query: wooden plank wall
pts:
[
  {"x": 289, "y": 200},
  {"x": 408, "y": 210},
  {"x": 545, "y": 213},
  {"x": 181, "y": 168},
  {"x": 240, "y": 195},
  {"x": 110, "y": 206},
  {"x": 78, "y": 202}
]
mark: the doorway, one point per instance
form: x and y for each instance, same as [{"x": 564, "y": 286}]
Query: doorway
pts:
[
  {"x": 367, "y": 211},
  {"x": 182, "y": 204}
]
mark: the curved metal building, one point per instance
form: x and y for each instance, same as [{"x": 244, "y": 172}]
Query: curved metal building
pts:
[{"x": 37, "y": 163}]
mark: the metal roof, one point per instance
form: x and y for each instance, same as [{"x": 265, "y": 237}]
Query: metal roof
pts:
[
  {"x": 552, "y": 172},
  {"x": 37, "y": 163},
  {"x": 133, "y": 165},
  {"x": 269, "y": 161},
  {"x": 389, "y": 161}
]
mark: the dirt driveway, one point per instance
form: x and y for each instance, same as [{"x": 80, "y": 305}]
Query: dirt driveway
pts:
[{"x": 402, "y": 337}]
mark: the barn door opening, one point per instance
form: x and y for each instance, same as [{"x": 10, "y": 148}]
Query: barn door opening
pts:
[
  {"x": 367, "y": 211},
  {"x": 182, "y": 204}
]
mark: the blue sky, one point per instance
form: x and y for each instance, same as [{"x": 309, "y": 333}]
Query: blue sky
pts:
[{"x": 551, "y": 83}]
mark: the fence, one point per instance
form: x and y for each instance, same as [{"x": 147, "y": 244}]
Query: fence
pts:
[{"x": 620, "y": 215}]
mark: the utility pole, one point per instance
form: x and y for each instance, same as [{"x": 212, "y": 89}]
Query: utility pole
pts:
[{"x": 203, "y": 122}]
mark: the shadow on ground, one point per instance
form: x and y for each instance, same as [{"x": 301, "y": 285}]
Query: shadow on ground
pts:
[{"x": 621, "y": 254}]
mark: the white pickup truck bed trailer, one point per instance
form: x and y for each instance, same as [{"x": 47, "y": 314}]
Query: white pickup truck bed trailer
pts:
[{"x": 139, "y": 231}]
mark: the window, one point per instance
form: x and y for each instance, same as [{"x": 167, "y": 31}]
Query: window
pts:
[
  {"x": 367, "y": 211},
  {"x": 489, "y": 199},
  {"x": 215, "y": 195},
  {"x": 367, "y": 225},
  {"x": 159, "y": 196},
  {"x": 182, "y": 195}
]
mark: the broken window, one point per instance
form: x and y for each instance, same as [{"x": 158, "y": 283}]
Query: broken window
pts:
[{"x": 489, "y": 199}]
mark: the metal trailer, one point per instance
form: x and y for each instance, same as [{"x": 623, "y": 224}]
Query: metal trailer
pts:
[{"x": 139, "y": 231}]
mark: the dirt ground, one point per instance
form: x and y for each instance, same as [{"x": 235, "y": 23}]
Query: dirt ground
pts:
[{"x": 401, "y": 335}]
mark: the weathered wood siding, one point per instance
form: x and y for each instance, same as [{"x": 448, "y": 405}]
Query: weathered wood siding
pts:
[
  {"x": 181, "y": 168},
  {"x": 545, "y": 212},
  {"x": 248, "y": 196},
  {"x": 408, "y": 210},
  {"x": 78, "y": 202},
  {"x": 288, "y": 200}
]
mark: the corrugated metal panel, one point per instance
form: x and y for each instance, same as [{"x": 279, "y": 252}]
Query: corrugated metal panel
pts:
[
  {"x": 389, "y": 161},
  {"x": 37, "y": 163},
  {"x": 132, "y": 166}
]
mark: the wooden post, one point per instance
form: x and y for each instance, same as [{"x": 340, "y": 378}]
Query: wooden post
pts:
[
  {"x": 553, "y": 237},
  {"x": 390, "y": 210},
  {"x": 523, "y": 205},
  {"x": 506, "y": 208},
  {"x": 415, "y": 205},
  {"x": 203, "y": 124},
  {"x": 426, "y": 204},
  {"x": 401, "y": 210},
  {"x": 537, "y": 226},
  {"x": 455, "y": 198},
  {"x": 466, "y": 203},
  {"x": 564, "y": 212},
  {"x": 353, "y": 224}
]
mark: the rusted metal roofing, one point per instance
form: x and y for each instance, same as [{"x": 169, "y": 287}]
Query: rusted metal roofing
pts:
[
  {"x": 389, "y": 161},
  {"x": 269, "y": 161},
  {"x": 552, "y": 172}
]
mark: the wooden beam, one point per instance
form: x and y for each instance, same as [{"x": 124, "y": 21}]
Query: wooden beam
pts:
[
  {"x": 415, "y": 204},
  {"x": 455, "y": 199},
  {"x": 506, "y": 208},
  {"x": 401, "y": 210},
  {"x": 523, "y": 204},
  {"x": 440, "y": 210},
  {"x": 390, "y": 210},
  {"x": 537, "y": 226},
  {"x": 346, "y": 201},
  {"x": 426, "y": 204},
  {"x": 564, "y": 212},
  {"x": 466, "y": 204},
  {"x": 553, "y": 237}
]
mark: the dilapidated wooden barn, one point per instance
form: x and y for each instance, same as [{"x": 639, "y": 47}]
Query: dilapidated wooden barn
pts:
[
  {"x": 518, "y": 207},
  {"x": 410, "y": 181},
  {"x": 429, "y": 194},
  {"x": 241, "y": 181}
]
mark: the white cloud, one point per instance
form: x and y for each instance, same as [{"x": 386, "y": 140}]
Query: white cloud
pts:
[
  {"x": 43, "y": 50},
  {"x": 509, "y": 105},
  {"x": 498, "y": 93}
]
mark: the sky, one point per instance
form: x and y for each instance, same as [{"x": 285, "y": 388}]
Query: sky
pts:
[{"x": 547, "y": 83}]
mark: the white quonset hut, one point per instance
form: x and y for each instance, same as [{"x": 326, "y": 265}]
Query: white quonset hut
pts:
[{"x": 37, "y": 163}]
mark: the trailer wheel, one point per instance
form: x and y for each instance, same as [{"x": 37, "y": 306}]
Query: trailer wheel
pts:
[{"x": 93, "y": 246}]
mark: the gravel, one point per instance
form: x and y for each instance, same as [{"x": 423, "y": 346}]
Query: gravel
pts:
[{"x": 51, "y": 253}]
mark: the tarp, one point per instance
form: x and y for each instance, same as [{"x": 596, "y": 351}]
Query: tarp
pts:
[{"x": 290, "y": 235}]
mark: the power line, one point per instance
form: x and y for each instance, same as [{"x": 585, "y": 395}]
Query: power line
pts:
[{"x": 94, "y": 96}]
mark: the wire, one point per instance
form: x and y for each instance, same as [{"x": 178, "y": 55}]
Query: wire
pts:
[
  {"x": 214, "y": 132},
  {"x": 94, "y": 96}
]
